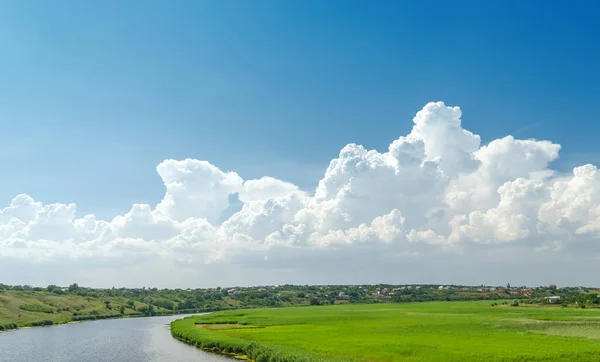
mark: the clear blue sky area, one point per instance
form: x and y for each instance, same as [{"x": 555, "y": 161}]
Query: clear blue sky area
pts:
[{"x": 93, "y": 95}]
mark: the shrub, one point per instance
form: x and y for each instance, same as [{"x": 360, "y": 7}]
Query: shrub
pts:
[
  {"x": 41, "y": 323},
  {"x": 36, "y": 308},
  {"x": 8, "y": 326}
]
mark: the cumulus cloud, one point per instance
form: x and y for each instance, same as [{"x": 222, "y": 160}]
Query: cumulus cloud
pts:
[
  {"x": 435, "y": 191},
  {"x": 195, "y": 189}
]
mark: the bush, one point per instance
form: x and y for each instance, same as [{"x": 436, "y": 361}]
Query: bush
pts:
[
  {"x": 94, "y": 317},
  {"x": 8, "y": 326},
  {"x": 41, "y": 323},
  {"x": 36, "y": 308}
]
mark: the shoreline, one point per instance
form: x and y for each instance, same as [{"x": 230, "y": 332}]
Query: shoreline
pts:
[
  {"x": 54, "y": 324},
  {"x": 214, "y": 350},
  {"x": 185, "y": 330}
]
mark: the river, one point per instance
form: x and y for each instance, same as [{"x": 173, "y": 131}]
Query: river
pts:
[{"x": 115, "y": 340}]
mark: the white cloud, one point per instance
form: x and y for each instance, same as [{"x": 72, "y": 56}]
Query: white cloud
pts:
[
  {"x": 434, "y": 195},
  {"x": 265, "y": 188},
  {"x": 195, "y": 189}
]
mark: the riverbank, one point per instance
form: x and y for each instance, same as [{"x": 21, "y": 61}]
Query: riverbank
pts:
[
  {"x": 187, "y": 330},
  {"x": 50, "y": 323},
  {"x": 431, "y": 331},
  {"x": 20, "y": 309},
  {"x": 37, "y": 308},
  {"x": 215, "y": 350}
]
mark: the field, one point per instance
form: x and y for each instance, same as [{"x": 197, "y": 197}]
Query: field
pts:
[{"x": 431, "y": 331}]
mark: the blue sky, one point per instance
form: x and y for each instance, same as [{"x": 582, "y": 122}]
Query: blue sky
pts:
[{"x": 94, "y": 95}]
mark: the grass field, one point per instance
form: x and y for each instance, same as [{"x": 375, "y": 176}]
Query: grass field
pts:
[{"x": 432, "y": 331}]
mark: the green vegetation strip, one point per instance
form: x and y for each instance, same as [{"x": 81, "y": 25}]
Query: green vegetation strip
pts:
[{"x": 432, "y": 331}]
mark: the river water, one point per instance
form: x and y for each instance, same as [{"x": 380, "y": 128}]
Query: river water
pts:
[{"x": 116, "y": 340}]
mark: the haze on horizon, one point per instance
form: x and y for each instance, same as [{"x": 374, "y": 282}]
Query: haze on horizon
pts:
[{"x": 299, "y": 142}]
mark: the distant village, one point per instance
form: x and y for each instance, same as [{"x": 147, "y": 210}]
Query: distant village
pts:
[
  {"x": 339, "y": 294},
  {"x": 342, "y": 293}
]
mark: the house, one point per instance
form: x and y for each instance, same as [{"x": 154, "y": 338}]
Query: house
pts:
[
  {"x": 553, "y": 299},
  {"x": 381, "y": 292}
]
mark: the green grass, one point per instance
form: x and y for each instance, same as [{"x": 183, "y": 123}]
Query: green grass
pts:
[
  {"x": 432, "y": 331},
  {"x": 28, "y": 308}
]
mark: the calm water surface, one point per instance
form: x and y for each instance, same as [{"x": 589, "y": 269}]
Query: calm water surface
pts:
[{"x": 126, "y": 340}]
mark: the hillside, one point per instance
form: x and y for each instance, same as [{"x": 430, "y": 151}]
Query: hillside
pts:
[{"x": 26, "y": 308}]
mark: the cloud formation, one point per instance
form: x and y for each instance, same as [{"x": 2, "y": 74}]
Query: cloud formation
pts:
[{"x": 436, "y": 191}]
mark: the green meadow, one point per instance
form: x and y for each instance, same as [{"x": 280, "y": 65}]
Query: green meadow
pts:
[{"x": 431, "y": 331}]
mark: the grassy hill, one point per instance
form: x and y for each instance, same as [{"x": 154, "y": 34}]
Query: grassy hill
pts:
[
  {"x": 24, "y": 306},
  {"x": 29, "y": 308},
  {"x": 431, "y": 331}
]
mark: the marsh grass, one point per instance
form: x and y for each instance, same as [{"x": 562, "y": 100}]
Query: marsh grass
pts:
[{"x": 432, "y": 331}]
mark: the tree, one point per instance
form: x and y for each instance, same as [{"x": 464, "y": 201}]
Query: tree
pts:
[
  {"x": 122, "y": 309},
  {"x": 54, "y": 289},
  {"x": 508, "y": 286},
  {"x": 314, "y": 301}
]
